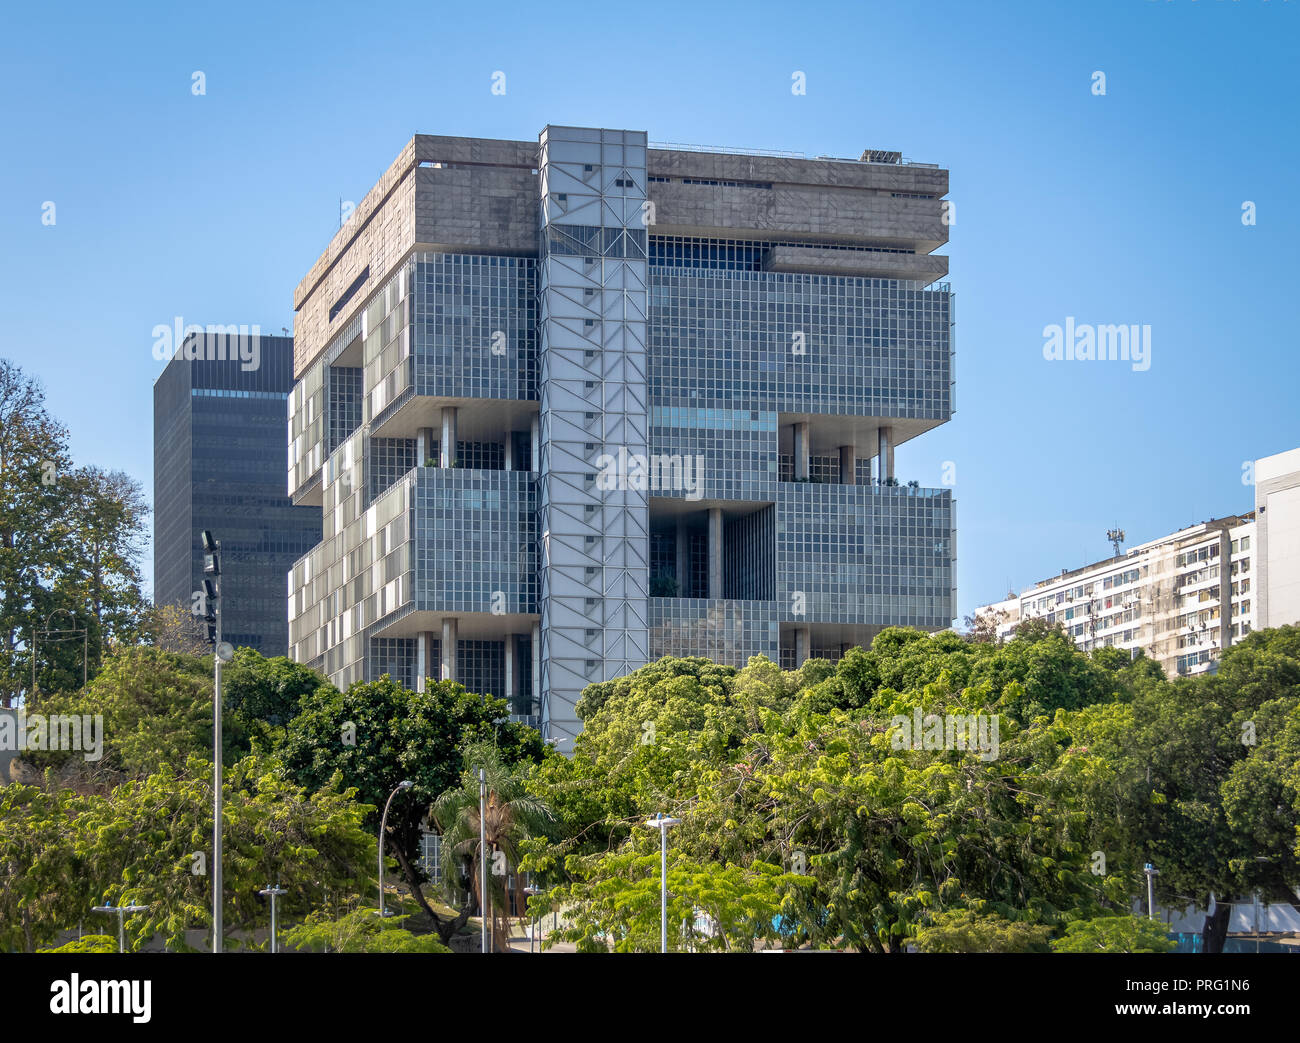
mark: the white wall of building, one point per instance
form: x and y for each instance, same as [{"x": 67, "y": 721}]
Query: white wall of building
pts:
[{"x": 1277, "y": 513}]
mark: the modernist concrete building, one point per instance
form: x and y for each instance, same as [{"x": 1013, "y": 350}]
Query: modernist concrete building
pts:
[
  {"x": 220, "y": 408},
  {"x": 573, "y": 404},
  {"x": 1185, "y": 597}
]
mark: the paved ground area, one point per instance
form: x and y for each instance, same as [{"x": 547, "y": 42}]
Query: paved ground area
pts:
[{"x": 520, "y": 942}]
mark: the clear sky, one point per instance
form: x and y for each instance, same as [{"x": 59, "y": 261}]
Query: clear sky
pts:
[{"x": 1120, "y": 208}]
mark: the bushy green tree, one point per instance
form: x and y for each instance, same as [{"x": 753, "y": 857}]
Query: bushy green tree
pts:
[
  {"x": 33, "y": 455},
  {"x": 378, "y": 733},
  {"x": 1103, "y": 765},
  {"x": 1192, "y": 775},
  {"x": 964, "y": 930},
  {"x": 156, "y": 708},
  {"x": 87, "y": 943},
  {"x": 360, "y": 930},
  {"x": 798, "y": 771},
  {"x": 71, "y": 542},
  {"x": 1115, "y": 934},
  {"x": 148, "y": 841},
  {"x": 262, "y": 696},
  {"x": 612, "y": 902}
]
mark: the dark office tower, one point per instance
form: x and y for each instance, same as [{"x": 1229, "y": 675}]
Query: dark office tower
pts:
[
  {"x": 575, "y": 404},
  {"x": 219, "y": 422}
]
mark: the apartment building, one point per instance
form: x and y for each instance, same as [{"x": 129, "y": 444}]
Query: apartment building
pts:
[
  {"x": 1185, "y": 597},
  {"x": 572, "y": 404}
]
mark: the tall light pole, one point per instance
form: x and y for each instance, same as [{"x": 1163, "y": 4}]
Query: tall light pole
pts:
[
  {"x": 222, "y": 652},
  {"x": 533, "y": 892},
  {"x": 383, "y": 824},
  {"x": 1151, "y": 872},
  {"x": 482, "y": 853},
  {"x": 530, "y": 891},
  {"x": 1258, "y": 858},
  {"x": 660, "y": 823},
  {"x": 121, "y": 911},
  {"x": 274, "y": 893}
]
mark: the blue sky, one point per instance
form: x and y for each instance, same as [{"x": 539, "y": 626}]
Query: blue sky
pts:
[{"x": 1122, "y": 208}]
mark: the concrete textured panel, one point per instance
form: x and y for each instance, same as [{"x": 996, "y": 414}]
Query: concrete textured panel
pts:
[
  {"x": 724, "y": 166},
  {"x": 794, "y": 211},
  {"x": 924, "y": 268},
  {"x": 467, "y": 208}
]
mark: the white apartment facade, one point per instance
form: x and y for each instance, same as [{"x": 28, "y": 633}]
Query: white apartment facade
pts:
[{"x": 1185, "y": 597}]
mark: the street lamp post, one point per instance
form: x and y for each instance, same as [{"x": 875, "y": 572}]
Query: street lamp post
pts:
[
  {"x": 273, "y": 893},
  {"x": 482, "y": 854},
  {"x": 1151, "y": 873},
  {"x": 121, "y": 911},
  {"x": 222, "y": 652},
  {"x": 383, "y": 824},
  {"x": 1258, "y": 858},
  {"x": 661, "y": 823},
  {"x": 533, "y": 892}
]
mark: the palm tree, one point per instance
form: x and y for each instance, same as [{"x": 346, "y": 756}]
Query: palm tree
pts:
[{"x": 511, "y": 816}]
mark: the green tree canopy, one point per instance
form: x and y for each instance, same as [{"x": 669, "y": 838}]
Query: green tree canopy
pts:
[
  {"x": 148, "y": 841},
  {"x": 378, "y": 733},
  {"x": 1115, "y": 934},
  {"x": 71, "y": 541},
  {"x": 1101, "y": 766},
  {"x": 964, "y": 930}
]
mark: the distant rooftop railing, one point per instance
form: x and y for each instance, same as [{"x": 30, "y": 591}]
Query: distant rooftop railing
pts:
[{"x": 677, "y": 146}]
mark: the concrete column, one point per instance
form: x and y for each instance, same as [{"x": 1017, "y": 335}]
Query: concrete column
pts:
[
  {"x": 715, "y": 552},
  {"x": 801, "y": 450},
  {"x": 509, "y": 694},
  {"x": 885, "y": 454},
  {"x": 682, "y": 549},
  {"x": 450, "y": 631},
  {"x": 424, "y": 665},
  {"x": 537, "y": 666},
  {"x": 802, "y": 645},
  {"x": 447, "y": 449},
  {"x": 423, "y": 445},
  {"x": 510, "y": 451},
  {"x": 535, "y": 442},
  {"x": 1225, "y": 590},
  {"x": 848, "y": 465}
]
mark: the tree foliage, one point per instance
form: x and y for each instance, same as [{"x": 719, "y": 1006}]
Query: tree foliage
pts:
[
  {"x": 964, "y": 930},
  {"x": 877, "y": 844},
  {"x": 378, "y": 733},
  {"x": 360, "y": 930},
  {"x": 71, "y": 540},
  {"x": 510, "y": 816},
  {"x": 148, "y": 841},
  {"x": 87, "y": 943},
  {"x": 1114, "y": 934}
]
